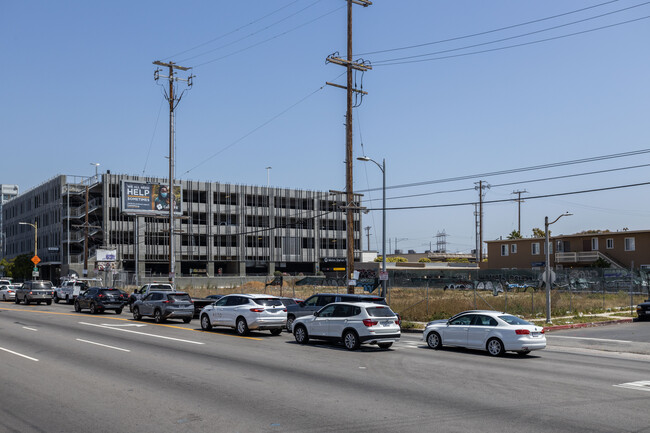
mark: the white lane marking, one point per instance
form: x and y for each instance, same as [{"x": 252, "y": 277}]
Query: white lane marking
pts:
[
  {"x": 18, "y": 354},
  {"x": 29, "y": 329},
  {"x": 642, "y": 385},
  {"x": 587, "y": 338},
  {"x": 103, "y": 345},
  {"x": 125, "y": 325},
  {"x": 142, "y": 333}
]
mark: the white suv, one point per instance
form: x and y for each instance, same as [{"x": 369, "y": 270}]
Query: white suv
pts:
[
  {"x": 245, "y": 312},
  {"x": 353, "y": 323}
]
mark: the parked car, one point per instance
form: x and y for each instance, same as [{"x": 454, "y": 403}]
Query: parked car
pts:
[
  {"x": 351, "y": 323},
  {"x": 246, "y": 312},
  {"x": 319, "y": 300},
  {"x": 100, "y": 299},
  {"x": 34, "y": 291},
  {"x": 643, "y": 310},
  {"x": 8, "y": 292},
  {"x": 494, "y": 331},
  {"x": 164, "y": 305}
]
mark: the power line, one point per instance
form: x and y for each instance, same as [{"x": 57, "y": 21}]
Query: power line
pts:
[
  {"x": 516, "y": 45},
  {"x": 516, "y": 183},
  {"x": 252, "y": 34},
  {"x": 271, "y": 38},
  {"x": 509, "y": 200},
  {"x": 516, "y": 170},
  {"x": 232, "y": 31},
  {"x": 488, "y": 31}
]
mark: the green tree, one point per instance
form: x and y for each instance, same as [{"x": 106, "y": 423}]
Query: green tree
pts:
[
  {"x": 539, "y": 233},
  {"x": 424, "y": 260},
  {"x": 22, "y": 267},
  {"x": 514, "y": 235}
]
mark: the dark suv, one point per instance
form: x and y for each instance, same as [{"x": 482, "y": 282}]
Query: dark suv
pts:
[
  {"x": 35, "y": 291},
  {"x": 319, "y": 300},
  {"x": 99, "y": 299}
]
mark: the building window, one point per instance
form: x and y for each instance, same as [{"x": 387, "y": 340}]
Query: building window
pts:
[
  {"x": 534, "y": 248},
  {"x": 559, "y": 247},
  {"x": 504, "y": 250},
  {"x": 610, "y": 244},
  {"x": 594, "y": 244},
  {"x": 629, "y": 244},
  {"x": 513, "y": 248}
]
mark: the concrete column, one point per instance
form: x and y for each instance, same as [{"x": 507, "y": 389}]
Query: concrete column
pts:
[{"x": 242, "y": 269}]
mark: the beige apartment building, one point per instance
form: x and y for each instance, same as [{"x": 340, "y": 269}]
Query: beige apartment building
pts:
[{"x": 625, "y": 249}]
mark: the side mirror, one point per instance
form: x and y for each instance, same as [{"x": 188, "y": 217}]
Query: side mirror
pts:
[
  {"x": 316, "y": 313},
  {"x": 302, "y": 304}
]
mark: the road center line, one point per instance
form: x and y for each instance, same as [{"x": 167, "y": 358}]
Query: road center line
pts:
[
  {"x": 103, "y": 345},
  {"x": 587, "y": 338},
  {"x": 18, "y": 354},
  {"x": 142, "y": 333}
]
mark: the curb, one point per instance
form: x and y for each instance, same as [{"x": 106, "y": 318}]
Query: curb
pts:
[{"x": 587, "y": 325}]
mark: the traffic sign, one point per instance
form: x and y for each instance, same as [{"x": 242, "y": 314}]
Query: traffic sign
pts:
[{"x": 35, "y": 260}]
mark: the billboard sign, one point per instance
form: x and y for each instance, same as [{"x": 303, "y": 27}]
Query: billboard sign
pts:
[
  {"x": 149, "y": 198},
  {"x": 106, "y": 255}
]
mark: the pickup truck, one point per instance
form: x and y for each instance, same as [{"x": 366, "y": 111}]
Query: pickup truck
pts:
[
  {"x": 70, "y": 289},
  {"x": 152, "y": 287}
]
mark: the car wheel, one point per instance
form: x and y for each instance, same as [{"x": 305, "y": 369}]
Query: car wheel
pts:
[
  {"x": 187, "y": 320},
  {"x": 301, "y": 335},
  {"x": 93, "y": 308},
  {"x": 38, "y": 302},
  {"x": 242, "y": 326},
  {"x": 276, "y": 331},
  {"x": 290, "y": 320},
  {"x": 523, "y": 352},
  {"x": 351, "y": 340},
  {"x": 56, "y": 299},
  {"x": 77, "y": 307},
  {"x": 48, "y": 302},
  {"x": 118, "y": 311},
  {"x": 27, "y": 301},
  {"x": 434, "y": 341},
  {"x": 4, "y": 298},
  {"x": 158, "y": 317},
  {"x": 136, "y": 313},
  {"x": 68, "y": 300},
  {"x": 16, "y": 300},
  {"x": 384, "y": 345},
  {"x": 205, "y": 323},
  {"x": 495, "y": 347}
]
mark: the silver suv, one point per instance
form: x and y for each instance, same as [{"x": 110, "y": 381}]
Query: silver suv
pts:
[
  {"x": 352, "y": 323},
  {"x": 245, "y": 312},
  {"x": 164, "y": 305},
  {"x": 35, "y": 291}
]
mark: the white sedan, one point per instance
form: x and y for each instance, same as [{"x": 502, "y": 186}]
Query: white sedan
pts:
[
  {"x": 8, "y": 292},
  {"x": 494, "y": 331}
]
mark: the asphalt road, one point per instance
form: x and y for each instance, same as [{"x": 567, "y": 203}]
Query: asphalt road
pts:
[{"x": 69, "y": 372}]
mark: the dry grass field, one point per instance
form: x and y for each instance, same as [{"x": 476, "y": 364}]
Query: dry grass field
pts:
[{"x": 422, "y": 305}]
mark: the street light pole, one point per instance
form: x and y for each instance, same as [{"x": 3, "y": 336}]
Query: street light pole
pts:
[
  {"x": 35, "y": 225},
  {"x": 382, "y": 167},
  {"x": 96, "y": 164},
  {"x": 548, "y": 264},
  {"x": 268, "y": 177}
]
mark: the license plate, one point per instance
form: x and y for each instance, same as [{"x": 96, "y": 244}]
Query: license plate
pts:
[
  {"x": 535, "y": 334},
  {"x": 385, "y": 323}
]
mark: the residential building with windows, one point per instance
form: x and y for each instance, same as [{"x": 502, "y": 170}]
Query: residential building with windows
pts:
[
  {"x": 622, "y": 249},
  {"x": 221, "y": 229}
]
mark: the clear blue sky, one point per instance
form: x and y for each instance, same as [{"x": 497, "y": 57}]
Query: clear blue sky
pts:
[{"x": 78, "y": 88}]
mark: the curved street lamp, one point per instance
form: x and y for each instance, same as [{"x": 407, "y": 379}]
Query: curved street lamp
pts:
[
  {"x": 548, "y": 265},
  {"x": 382, "y": 167}
]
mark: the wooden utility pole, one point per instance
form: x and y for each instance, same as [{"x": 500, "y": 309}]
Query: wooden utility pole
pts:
[
  {"x": 368, "y": 236},
  {"x": 173, "y": 102},
  {"x": 351, "y": 206},
  {"x": 480, "y": 187},
  {"x": 519, "y": 200}
]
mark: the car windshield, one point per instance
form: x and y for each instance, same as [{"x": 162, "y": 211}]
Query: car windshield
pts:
[
  {"x": 180, "y": 297},
  {"x": 160, "y": 287},
  {"x": 109, "y": 292},
  {"x": 288, "y": 301},
  {"x": 380, "y": 312},
  {"x": 268, "y": 302},
  {"x": 513, "y": 320},
  {"x": 42, "y": 286}
]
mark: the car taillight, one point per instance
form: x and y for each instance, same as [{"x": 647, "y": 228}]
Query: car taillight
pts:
[
  {"x": 100, "y": 296},
  {"x": 370, "y": 322},
  {"x": 542, "y": 331},
  {"x": 284, "y": 309},
  {"x": 397, "y": 322},
  {"x": 257, "y": 310},
  {"x": 522, "y": 331}
]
